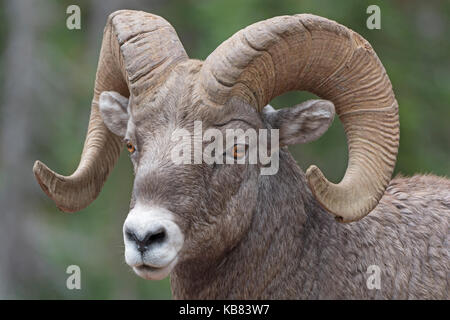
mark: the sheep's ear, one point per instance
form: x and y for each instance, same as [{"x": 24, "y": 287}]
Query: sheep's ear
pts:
[
  {"x": 302, "y": 123},
  {"x": 114, "y": 110}
]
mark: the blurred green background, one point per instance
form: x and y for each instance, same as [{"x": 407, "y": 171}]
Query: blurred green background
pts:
[{"x": 47, "y": 75}]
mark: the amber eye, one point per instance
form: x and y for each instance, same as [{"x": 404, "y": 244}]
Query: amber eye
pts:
[
  {"x": 238, "y": 151},
  {"x": 130, "y": 147}
]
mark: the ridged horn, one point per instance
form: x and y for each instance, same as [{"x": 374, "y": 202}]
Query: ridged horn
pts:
[
  {"x": 138, "y": 49},
  {"x": 307, "y": 52}
]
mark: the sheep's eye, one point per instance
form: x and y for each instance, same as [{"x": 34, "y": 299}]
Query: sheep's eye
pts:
[
  {"x": 130, "y": 147},
  {"x": 238, "y": 151}
]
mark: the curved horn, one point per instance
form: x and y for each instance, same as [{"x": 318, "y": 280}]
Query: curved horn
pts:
[
  {"x": 306, "y": 52},
  {"x": 138, "y": 49}
]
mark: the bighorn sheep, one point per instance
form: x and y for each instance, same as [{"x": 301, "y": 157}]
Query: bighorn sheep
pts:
[{"x": 226, "y": 231}]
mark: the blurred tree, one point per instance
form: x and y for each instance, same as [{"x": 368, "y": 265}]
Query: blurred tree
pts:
[{"x": 21, "y": 270}]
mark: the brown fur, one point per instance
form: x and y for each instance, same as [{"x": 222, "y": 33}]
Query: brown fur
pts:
[{"x": 250, "y": 236}]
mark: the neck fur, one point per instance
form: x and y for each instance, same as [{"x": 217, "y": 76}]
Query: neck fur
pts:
[{"x": 267, "y": 257}]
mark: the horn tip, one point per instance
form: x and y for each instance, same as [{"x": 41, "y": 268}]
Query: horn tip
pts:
[
  {"x": 37, "y": 167},
  {"x": 314, "y": 177},
  {"x": 43, "y": 176},
  {"x": 40, "y": 171},
  {"x": 317, "y": 183},
  {"x": 342, "y": 212}
]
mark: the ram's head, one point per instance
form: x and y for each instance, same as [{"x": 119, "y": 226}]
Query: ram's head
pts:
[{"x": 147, "y": 89}]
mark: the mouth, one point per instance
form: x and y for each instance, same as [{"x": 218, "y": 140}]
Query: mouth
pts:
[
  {"x": 154, "y": 273},
  {"x": 147, "y": 268}
]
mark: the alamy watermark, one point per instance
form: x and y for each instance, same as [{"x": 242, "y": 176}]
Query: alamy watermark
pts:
[
  {"x": 74, "y": 279},
  {"x": 73, "y": 22},
  {"x": 374, "y": 20},
  {"x": 374, "y": 280}
]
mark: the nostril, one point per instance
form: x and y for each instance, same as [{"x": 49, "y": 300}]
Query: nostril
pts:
[
  {"x": 151, "y": 238},
  {"x": 155, "y": 237},
  {"x": 131, "y": 236}
]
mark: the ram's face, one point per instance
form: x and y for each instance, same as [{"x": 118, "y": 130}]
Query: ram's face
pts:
[
  {"x": 197, "y": 172},
  {"x": 181, "y": 210}
]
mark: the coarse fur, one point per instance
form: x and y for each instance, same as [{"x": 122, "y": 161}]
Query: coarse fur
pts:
[
  {"x": 295, "y": 250},
  {"x": 251, "y": 236}
]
